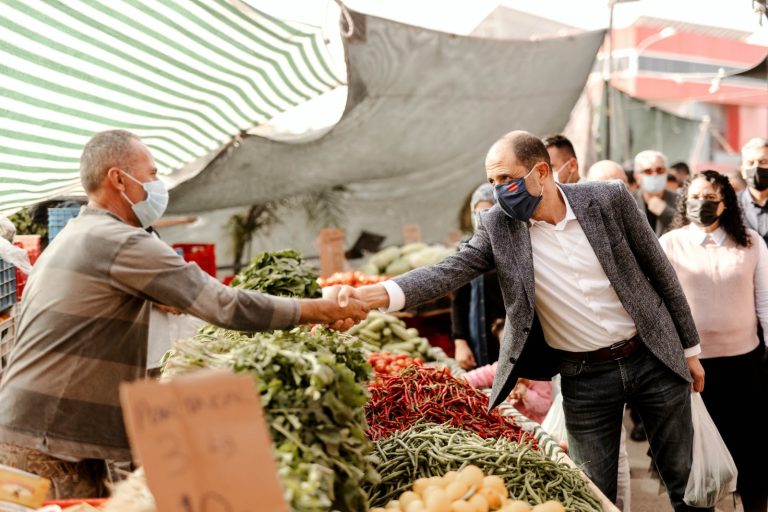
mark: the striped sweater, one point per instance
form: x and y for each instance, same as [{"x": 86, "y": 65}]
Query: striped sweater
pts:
[{"x": 83, "y": 330}]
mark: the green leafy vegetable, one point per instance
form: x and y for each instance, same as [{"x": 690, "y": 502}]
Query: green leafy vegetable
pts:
[
  {"x": 281, "y": 273},
  {"x": 313, "y": 386}
]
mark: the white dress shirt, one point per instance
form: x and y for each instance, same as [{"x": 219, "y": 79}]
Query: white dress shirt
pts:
[{"x": 578, "y": 308}]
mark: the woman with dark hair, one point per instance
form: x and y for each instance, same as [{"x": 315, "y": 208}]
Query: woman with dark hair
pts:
[{"x": 723, "y": 269}]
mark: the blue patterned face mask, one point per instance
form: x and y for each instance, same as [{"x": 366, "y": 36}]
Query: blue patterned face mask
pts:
[{"x": 515, "y": 200}]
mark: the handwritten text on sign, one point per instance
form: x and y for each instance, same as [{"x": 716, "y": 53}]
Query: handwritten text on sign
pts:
[{"x": 203, "y": 443}]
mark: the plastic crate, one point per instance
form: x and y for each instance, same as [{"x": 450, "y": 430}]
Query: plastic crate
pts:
[
  {"x": 202, "y": 254},
  {"x": 7, "y": 338},
  {"x": 7, "y": 285},
  {"x": 65, "y": 504},
  {"x": 58, "y": 218},
  {"x": 31, "y": 244}
]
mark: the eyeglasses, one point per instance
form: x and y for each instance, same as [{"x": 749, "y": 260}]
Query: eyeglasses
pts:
[
  {"x": 657, "y": 170},
  {"x": 706, "y": 197}
]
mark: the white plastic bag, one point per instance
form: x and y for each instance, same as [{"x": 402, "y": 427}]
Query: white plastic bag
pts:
[
  {"x": 713, "y": 472},
  {"x": 16, "y": 256},
  {"x": 554, "y": 422}
]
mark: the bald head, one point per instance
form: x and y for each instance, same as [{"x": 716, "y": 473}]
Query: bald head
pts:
[
  {"x": 517, "y": 148},
  {"x": 606, "y": 170}
]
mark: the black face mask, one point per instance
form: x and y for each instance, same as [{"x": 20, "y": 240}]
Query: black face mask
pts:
[
  {"x": 757, "y": 178},
  {"x": 702, "y": 212}
]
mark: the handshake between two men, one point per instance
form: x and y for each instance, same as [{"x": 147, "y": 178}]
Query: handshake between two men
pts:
[{"x": 343, "y": 306}]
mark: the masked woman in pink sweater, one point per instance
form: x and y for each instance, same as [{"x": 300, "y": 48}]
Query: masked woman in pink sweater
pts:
[{"x": 723, "y": 269}]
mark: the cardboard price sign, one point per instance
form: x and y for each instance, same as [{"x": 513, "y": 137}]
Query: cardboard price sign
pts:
[
  {"x": 204, "y": 444},
  {"x": 331, "y": 251},
  {"x": 411, "y": 233}
]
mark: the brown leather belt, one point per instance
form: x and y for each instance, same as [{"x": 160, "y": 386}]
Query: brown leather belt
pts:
[{"x": 616, "y": 351}]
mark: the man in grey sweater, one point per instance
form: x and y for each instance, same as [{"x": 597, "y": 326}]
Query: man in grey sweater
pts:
[
  {"x": 589, "y": 294},
  {"x": 83, "y": 324}
]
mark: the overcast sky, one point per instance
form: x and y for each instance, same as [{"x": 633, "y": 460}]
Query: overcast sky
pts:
[{"x": 461, "y": 16}]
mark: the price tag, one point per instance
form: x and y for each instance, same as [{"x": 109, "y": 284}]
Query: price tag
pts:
[
  {"x": 331, "y": 251},
  {"x": 411, "y": 233},
  {"x": 204, "y": 444}
]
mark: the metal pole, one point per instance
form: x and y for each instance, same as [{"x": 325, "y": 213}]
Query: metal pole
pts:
[{"x": 607, "y": 84}]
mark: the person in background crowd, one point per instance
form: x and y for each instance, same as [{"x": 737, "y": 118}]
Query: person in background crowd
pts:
[
  {"x": 589, "y": 293},
  {"x": 754, "y": 200},
  {"x": 476, "y": 306},
  {"x": 680, "y": 171},
  {"x": 82, "y": 329},
  {"x": 654, "y": 200},
  {"x": 736, "y": 180},
  {"x": 607, "y": 170},
  {"x": 672, "y": 184},
  {"x": 565, "y": 167},
  {"x": 723, "y": 269}
]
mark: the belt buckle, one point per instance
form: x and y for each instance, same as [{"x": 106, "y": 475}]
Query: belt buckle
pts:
[{"x": 618, "y": 346}]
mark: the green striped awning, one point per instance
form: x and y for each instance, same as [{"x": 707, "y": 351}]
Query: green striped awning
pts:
[{"x": 185, "y": 75}]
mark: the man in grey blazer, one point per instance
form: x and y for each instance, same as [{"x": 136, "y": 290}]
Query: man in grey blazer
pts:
[{"x": 588, "y": 293}]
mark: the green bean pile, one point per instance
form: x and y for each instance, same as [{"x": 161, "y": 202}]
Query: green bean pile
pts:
[{"x": 432, "y": 450}]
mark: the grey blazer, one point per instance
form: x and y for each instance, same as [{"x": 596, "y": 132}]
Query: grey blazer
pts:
[{"x": 628, "y": 251}]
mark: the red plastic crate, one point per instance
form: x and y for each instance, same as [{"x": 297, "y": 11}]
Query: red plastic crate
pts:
[
  {"x": 65, "y": 504},
  {"x": 31, "y": 244},
  {"x": 202, "y": 254}
]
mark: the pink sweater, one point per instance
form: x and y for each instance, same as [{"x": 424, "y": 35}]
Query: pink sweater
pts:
[
  {"x": 719, "y": 283},
  {"x": 534, "y": 404}
]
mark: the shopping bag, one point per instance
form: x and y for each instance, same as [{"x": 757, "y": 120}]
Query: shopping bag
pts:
[
  {"x": 554, "y": 422},
  {"x": 713, "y": 472}
]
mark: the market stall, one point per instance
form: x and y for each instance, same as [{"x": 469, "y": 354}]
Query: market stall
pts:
[{"x": 374, "y": 417}]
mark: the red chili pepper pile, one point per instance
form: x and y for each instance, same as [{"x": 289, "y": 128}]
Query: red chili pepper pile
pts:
[
  {"x": 384, "y": 363},
  {"x": 428, "y": 395}
]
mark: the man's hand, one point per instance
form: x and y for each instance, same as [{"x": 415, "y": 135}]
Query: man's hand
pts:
[
  {"x": 520, "y": 389},
  {"x": 464, "y": 355},
  {"x": 329, "y": 312},
  {"x": 655, "y": 204},
  {"x": 373, "y": 295},
  {"x": 697, "y": 372}
]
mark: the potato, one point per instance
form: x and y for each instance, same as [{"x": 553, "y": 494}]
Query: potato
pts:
[
  {"x": 407, "y": 497},
  {"x": 492, "y": 496},
  {"x": 420, "y": 484},
  {"x": 414, "y": 506},
  {"x": 393, "y": 505},
  {"x": 437, "y": 501},
  {"x": 495, "y": 482},
  {"x": 549, "y": 506},
  {"x": 450, "y": 477},
  {"x": 456, "y": 490},
  {"x": 462, "y": 506},
  {"x": 480, "y": 503},
  {"x": 377, "y": 509},
  {"x": 471, "y": 475},
  {"x": 517, "y": 506}
]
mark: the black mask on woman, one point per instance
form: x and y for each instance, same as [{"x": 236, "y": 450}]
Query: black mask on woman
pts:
[{"x": 702, "y": 212}]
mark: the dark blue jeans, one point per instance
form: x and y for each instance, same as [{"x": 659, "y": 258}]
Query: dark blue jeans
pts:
[{"x": 594, "y": 394}]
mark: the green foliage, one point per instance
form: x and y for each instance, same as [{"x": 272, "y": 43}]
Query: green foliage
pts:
[
  {"x": 313, "y": 386},
  {"x": 281, "y": 273}
]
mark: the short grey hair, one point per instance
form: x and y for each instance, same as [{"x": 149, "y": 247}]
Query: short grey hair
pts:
[
  {"x": 111, "y": 148},
  {"x": 644, "y": 159},
  {"x": 482, "y": 193},
  {"x": 755, "y": 143}
]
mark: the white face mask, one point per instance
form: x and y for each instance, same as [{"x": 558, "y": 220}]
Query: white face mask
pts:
[
  {"x": 654, "y": 183},
  {"x": 153, "y": 206},
  {"x": 557, "y": 172}
]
